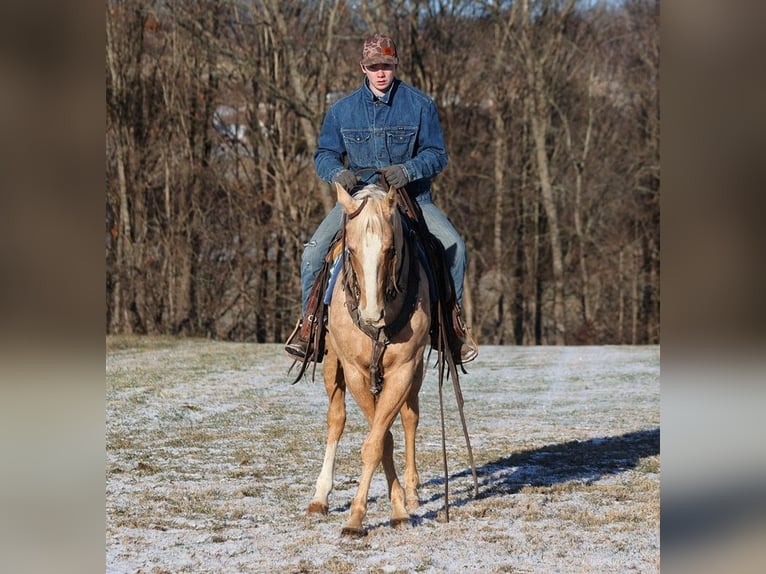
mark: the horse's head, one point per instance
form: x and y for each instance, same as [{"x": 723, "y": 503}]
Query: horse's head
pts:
[{"x": 373, "y": 239}]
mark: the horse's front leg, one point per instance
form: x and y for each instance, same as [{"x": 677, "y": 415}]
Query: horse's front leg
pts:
[
  {"x": 336, "y": 421},
  {"x": 378, "y": 447},
  {"x": 373, "y": 449},
  {"x": 410, "y": 417},
  {"x": 399, "y": 513}
]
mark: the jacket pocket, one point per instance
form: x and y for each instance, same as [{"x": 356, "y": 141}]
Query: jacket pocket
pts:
[
  {"x": 358, "y": 147},
  {"x": 401, "y": 142}
]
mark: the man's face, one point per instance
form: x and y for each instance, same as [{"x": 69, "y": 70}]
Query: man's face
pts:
[{"x": 380, "y": 76}]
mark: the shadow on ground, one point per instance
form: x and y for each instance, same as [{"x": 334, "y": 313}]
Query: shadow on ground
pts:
[{"x": 582, "y": 461}]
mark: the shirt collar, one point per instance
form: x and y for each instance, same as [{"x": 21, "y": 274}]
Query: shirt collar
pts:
[{"x": 386, "y": 97}]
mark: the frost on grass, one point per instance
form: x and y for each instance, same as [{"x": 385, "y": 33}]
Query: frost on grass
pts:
[{"x": 212, "y": 458}]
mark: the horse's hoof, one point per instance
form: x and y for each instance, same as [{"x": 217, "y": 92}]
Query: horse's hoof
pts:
[
  {"x": 400, "y": 523},
  {"x": 352, "y": 532},
  {"x": 412, "y": 504},
  {"x": 318, "y": 508}
]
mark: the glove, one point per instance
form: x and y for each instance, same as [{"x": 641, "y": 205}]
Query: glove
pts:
[
  {"x": 346, "y": 178},
  {"x": 395, "y": 175}
]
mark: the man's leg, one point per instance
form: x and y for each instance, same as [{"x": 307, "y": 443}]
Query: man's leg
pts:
[
  {"x": 312, "y": 260},
  {"x": 454, "y": 247},
  {"x": 455, "y": 254},
  {"x": 315, "y": 251}
]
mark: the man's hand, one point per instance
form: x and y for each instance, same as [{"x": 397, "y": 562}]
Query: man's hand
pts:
[
  {"x": 346, "y": 178},
  {"x": 395, "y": 175}
]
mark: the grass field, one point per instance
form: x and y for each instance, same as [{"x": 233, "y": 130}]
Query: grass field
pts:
[{"x": 212, "y": 458}]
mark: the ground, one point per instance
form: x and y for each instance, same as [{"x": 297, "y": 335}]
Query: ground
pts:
[{"x": 212, "y": 457}]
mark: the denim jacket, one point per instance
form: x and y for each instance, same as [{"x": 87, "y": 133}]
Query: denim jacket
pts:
[{"x": 402, "y": 127}]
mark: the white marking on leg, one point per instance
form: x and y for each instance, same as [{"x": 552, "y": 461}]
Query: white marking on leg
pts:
[{"x": 327, "y": 475}]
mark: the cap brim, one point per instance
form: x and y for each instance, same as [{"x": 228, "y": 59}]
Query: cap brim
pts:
[{"x": 380, "y": 60}]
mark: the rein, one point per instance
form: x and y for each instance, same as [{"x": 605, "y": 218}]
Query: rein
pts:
[
  {"x": 357, "y": 211},
  {"x": 440, "y": 324}
]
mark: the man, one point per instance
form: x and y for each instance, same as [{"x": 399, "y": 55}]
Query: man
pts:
[{"x": 388, "y": 126}]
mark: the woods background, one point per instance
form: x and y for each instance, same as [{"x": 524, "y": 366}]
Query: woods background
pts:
[{"x": 550, "y": 110}]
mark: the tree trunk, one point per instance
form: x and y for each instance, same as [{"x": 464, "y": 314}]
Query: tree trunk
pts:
[
  {"x": 499, "y": 245},
  {"x": 123, "y": 276},
  {"x": 578, "y": 157},
  {"x": 539, "y": 116},
  {"x": 538, "y": 313},
  {"x": 551, "y": 214}
]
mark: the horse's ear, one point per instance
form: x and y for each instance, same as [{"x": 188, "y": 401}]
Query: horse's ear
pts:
[{"x": 344, "y": 198}]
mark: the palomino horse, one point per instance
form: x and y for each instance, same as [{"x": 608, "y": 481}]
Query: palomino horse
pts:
[{"x": 378, "y": 328}]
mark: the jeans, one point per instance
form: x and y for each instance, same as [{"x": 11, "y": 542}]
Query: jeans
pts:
[{"x": 315, "y": 250}]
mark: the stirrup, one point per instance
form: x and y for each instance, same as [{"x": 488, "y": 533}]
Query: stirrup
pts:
[
  {"x": 468, "y": 352},
  {"x": 297, "y": 350},
  {"x": 468, "y": 349},
  {"x": 296, "y": 347}
]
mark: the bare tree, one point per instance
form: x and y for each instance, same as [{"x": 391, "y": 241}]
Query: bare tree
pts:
[
  {"x": 549, "y": 109},
  {"x": 541, "y": 44}
]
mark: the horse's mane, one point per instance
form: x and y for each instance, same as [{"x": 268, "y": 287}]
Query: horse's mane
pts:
[{"x": 371, "y": 190}]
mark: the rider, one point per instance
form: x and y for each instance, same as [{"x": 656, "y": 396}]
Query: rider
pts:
[{"x": 393, "y": 128}]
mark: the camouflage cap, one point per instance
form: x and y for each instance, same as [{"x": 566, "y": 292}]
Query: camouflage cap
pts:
[{"x": 379, "y": 49}]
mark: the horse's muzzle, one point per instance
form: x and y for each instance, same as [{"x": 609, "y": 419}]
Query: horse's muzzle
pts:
[{"x": 374, "y": 319}]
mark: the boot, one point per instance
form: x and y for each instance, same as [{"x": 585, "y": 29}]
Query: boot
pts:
[
  {"x": 468, "y": 349},
  {"x": 297, "y": 346}
]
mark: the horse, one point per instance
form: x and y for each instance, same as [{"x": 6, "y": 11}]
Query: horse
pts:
[{"x": 377, "y": 331}]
